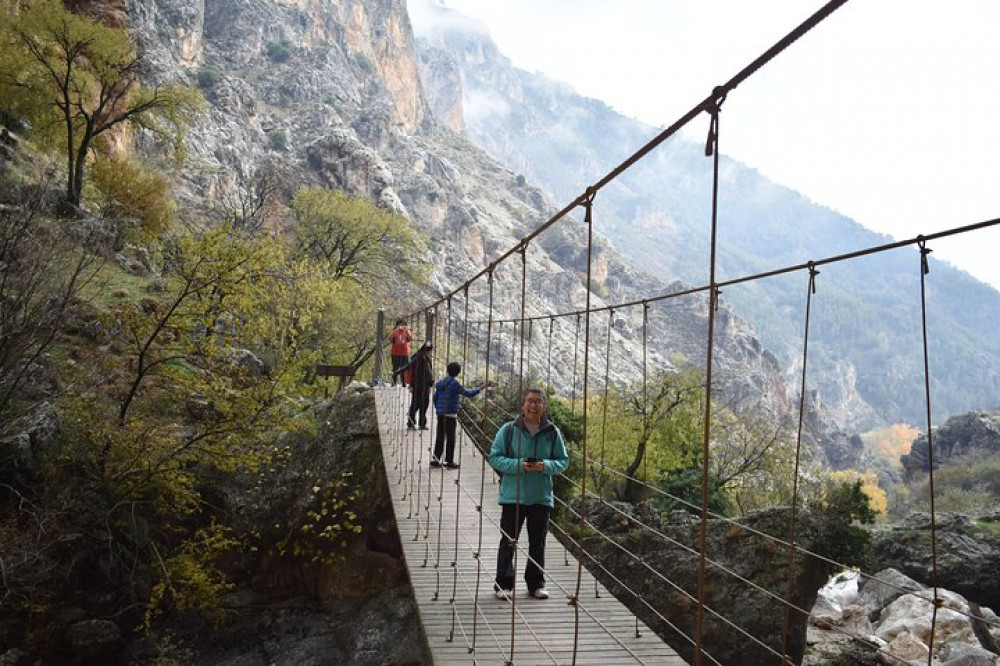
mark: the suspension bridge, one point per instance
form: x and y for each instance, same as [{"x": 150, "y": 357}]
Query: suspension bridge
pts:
[
  {"x": 448, "y": 518},
  {"x": 449, "y": 526}
]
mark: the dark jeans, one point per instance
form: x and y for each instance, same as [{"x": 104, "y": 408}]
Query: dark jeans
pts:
[
  {"x": 445, "y": 433},
  {"x": 397, "y": 363},
  {"x": 537, "y": 516},
  {"x": 418, "y": 405}
]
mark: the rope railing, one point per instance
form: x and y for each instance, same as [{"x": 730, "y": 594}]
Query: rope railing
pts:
[{"x": 409, "y": 466}]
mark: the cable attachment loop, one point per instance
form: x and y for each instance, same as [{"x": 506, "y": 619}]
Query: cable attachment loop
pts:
[
  {"x": 716, "y": 295},
  {"x": 588, "y": 204},
  {"x": 813, "y": 272},
  {"x": 713, "y": 108},
  {"x": 925, "y": 265}
]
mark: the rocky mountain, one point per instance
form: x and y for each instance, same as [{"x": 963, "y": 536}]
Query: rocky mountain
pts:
[
  {"x": 967, "y": 439},
  {"x": 328, "y": 93},
  {"x": 865, "y": 349}
]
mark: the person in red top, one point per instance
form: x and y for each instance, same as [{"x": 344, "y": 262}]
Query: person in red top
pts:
[{"x": 399, "y": 349}]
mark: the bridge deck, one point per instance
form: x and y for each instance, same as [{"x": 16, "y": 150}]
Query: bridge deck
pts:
[{"x": 441, "y": 533}]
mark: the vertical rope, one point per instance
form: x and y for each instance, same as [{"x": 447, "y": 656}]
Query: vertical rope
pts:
[
  {"x": 531, "y": 339},
  {"x": 524, "y": 283},
  {"x": 548, "y": 362},
  {"x": 576, "y": 354},
  {"x": 938, "y": 601},
  {"x": 461, "y": 445},
  {"x": 604, "y": 417},
  {"x": 792, "y": 529},
  {"x": 589, "y": 221},
  {"x": 645, "y": 432},
  {"x": 482, "y": 484},
  {"x": 711, "y": 149}
]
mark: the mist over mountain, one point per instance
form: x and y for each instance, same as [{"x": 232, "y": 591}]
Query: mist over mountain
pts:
[{"x": 865, "y": 349}]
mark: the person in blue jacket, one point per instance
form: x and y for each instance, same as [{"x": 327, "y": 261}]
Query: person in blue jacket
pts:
[
  {"x": 528, "y": 452},
  {"x": 448, "y": 394}
]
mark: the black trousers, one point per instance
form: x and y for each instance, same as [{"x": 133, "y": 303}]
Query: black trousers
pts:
[
  {"x": 398, "y": 361},
  {"x": 418, "y": 405},
  {"x": 446, "y": 428},
  {"x": 537, "y": 516}
]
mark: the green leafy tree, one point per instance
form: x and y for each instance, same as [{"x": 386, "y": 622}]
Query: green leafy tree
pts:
[
  {"x": 77, "y": 79},
  {"x": 41, "y": 275},
  {"x": 646, "y": 432},
  {"x": 842, "y": 508},
  {"x": 354, "y": 239},
  {"x": 135, "y": 194}
]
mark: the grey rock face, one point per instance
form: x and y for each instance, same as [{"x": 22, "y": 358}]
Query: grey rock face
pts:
[
  {"x": 968, "y": 561},
  {"x": 971, "y": 435}
]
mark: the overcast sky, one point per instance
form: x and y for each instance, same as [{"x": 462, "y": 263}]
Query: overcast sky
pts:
[{"x": 888, "y": 111}]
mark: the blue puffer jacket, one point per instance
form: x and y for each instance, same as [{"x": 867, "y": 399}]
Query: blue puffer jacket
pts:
[
  {"x": 448, "y": 394},
  {"x": 507, "y": 456}
]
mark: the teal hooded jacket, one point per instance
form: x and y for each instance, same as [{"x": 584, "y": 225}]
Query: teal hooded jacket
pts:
[{"x": 507, "y": 456}]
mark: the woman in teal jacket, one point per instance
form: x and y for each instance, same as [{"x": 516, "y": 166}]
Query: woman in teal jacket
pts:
[{"x": 528, "y": 452}]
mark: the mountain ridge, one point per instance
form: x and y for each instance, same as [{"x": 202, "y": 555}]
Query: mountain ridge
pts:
[{"x": 564, "y": 142}]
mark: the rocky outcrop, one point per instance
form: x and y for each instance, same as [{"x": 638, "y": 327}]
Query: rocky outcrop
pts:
[
  {"x": 738, "y": 554},
  {"x": 888, "y": 617},
  {"x": 961, "y": 439},
  {"x": 306, "y": 593},
  {"x": 332, "y": 94},
  {"x": 967, "y": 558}
]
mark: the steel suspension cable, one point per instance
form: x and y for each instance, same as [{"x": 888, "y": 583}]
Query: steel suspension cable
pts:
[
  {"x": 548, "y": 363},
  {"x": 712, "y": 150},
  {"x": 938, "y": 602},
  {"x": 792, "y": 534},
  {"x": 588, "y": 220},
  {"x": 461, "y": 446},
  {"x": 706, "y": 104},
  {"x": 524, "y": 281},
  {"x": 645, "y": 431},
  {"x": 607, "y": 383},
  {"x": 482, "y": 485}
]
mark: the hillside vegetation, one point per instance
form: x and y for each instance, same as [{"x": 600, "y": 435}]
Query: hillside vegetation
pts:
[{"x": 147, "y": 353}]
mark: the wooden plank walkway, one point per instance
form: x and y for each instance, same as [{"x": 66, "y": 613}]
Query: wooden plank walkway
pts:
[{"x": 441, "y": 532}]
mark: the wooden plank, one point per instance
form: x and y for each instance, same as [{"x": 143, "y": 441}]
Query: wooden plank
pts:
[{"x": 450, "y": 575}]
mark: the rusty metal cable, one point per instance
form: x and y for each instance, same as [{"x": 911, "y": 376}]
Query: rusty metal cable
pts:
[
  {"x": 705, "y": 105},
  {"x": 924, "y": 270},
  {"x": 711, "y": 149},
  {"x": 524, "y": 283},
  {"x": 482, "y": 485},
  {"x": 588, "y": 220},
  {"x": 785, "y": 629}
]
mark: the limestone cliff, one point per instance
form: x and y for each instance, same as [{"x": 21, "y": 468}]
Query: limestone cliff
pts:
[{"x": 327, "y": 92}]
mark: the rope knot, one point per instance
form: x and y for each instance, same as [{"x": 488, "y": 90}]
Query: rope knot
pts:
[
  {"x": 924, "y": 253},
  {"x": 813, "y": 272},
  {"x": 713, "y": 108}
]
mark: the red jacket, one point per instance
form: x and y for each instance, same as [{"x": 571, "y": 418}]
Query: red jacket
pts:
[{"x": 399, "y": 341}]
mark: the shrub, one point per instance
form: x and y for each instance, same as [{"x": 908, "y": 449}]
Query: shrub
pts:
[
  {"x": 208, "y": 76},
  {"x": 279, "y": 51},
  {"x": 135, "y": 191},
  {"x": 365, "y": 63},
  {"x": 841, "y": 540},
  {"x": 278, "y": 139}
]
